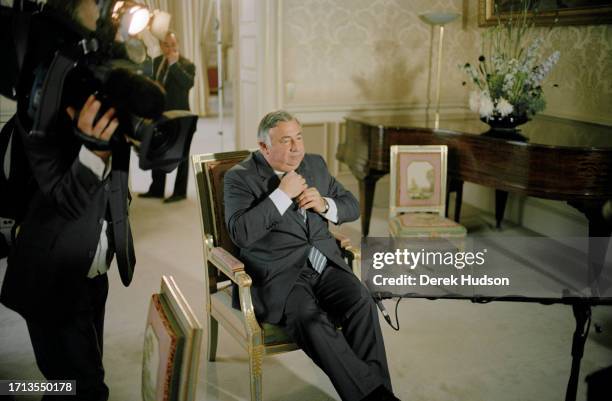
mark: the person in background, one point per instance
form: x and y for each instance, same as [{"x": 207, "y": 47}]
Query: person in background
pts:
[{"x": 176, "y": 74}]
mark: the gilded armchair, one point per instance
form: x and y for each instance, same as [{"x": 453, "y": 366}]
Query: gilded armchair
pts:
[{"x": 223, "y": 267}]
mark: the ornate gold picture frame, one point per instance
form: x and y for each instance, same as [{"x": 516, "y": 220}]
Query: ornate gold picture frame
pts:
[
  {"x": 549, "y": 12},
  {"x": 171, "y": 347}
]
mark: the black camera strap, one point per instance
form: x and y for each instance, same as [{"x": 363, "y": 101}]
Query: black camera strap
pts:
[{"x": 51, "y": 94}]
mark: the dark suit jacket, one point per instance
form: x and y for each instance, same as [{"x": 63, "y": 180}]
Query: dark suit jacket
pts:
[
  {"x": 179, "y": 82},
  {"x": 59, "y": 234},
  {"x": 275, "y": 247}
]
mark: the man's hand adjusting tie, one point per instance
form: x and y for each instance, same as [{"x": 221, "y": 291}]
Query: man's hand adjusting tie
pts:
[{"x": 292, "y": 184}]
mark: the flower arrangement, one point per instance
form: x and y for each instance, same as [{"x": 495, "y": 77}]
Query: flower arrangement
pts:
[{"x": 510, "y": 70}]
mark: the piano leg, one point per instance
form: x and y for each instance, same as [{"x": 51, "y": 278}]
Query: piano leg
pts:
[
  {"x": 600, "y": 230},
  {"x": 599, "y": 238},
  {"x": 500, "y": 206},
  {"x": 455, "y": 185},
  {"x": 367, "y": 187},
  {"x": 599, "y": 226}
]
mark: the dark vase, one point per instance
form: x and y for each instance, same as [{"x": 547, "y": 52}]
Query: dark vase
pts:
[{"x": 505, "y": 127}]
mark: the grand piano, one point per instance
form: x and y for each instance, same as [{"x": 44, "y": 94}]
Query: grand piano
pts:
[{"x": 551, "y": 158}]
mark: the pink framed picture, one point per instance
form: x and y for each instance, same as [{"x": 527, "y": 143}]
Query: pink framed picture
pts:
[
  {"x": 418, "y": 183},
  {"x": 418, "y": 178}
]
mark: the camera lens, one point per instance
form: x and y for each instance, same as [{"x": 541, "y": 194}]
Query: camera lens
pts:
[
  {"x": 164, "y": 143},
  {"x": 164, "y": 138}
]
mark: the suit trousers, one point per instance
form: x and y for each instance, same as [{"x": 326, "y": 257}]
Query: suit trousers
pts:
[
  {"x": 353, "y": 357},
  {"x": 72, "y": 349},
  {"x": 158, "y": 184}
]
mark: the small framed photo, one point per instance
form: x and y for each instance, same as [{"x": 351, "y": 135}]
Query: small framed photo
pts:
[
  {"x": 171, "y": 347},
  {"x": 418, "y": 178}
]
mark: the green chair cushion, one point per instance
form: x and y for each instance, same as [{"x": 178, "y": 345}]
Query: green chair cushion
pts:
[
  {"x": 272, "y": 334},
  {"x": 425, "y": 225}
]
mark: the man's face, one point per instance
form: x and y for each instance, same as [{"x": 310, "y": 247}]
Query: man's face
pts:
[
  {"x": 169, "y": 45},
  {"x": 286, "y": 151},
  {"x": 88, "y": 14}
]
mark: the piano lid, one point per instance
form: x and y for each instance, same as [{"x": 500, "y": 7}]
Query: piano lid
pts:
[{"x": 542, "y": 130}]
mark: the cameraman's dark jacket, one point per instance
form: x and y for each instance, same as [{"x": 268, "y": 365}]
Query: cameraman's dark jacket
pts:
[{"x": 47, "y": 270}]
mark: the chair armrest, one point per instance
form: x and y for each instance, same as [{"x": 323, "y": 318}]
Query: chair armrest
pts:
[
  {"x": 342, "y": 239},
  {"x": 347, "y": 248},
  {"x": 345, "y": 243},
  {"x": 230, "y": 266},
  {"x": 234, "y": 269}
]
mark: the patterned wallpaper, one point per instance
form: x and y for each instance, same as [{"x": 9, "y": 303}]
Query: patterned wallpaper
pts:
[
  {"x": 350, "y": 53},
  {"x": 584, "y": 73}
]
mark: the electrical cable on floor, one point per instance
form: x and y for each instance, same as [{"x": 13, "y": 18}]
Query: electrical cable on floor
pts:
[
  {"x": 396, "y": 317},
  {"x": 378, "y": 298}
]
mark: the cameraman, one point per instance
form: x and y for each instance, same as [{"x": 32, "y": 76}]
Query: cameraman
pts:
[{"x": 76, "y": 220}]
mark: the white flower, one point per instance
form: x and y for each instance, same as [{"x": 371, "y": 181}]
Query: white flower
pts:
[
  {"x": 510, "y": 71},
  {"x": 532, "y": 52},
  {"x": 474, "y": 100},
  {"x": 486, "y": 105},
  {"x": 508, "y": 83},
  {"x": 498, "y": 62},
  {"x": 543, "y": 69},
  {"x": 504, "y": 107}
]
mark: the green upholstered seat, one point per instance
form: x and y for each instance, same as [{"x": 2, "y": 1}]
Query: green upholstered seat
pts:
[
  {"x": 272, "y": 334},
  {"x": 425, "y": 225}
]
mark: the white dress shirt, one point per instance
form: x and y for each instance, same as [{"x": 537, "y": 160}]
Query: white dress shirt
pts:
[
  {"x": 282, "y": 201},
  {"x": 101, "y": 170}
]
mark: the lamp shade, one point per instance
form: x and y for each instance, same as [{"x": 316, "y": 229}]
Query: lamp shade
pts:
[
  {"x": 136, "y": 19},
  {"x": 160, "y": 24},
  {"x": 438, "y": 18}
]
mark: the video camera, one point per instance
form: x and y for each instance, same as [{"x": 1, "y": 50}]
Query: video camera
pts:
[{"x": 73, "y": 63}]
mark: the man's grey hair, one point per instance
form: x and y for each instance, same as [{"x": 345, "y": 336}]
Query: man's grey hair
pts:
[{"x": 270, "y": 121}]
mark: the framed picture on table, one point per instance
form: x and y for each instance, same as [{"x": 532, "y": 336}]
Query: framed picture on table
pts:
[
  {"x": 418, "y": 179},
  {"x": 171, "y": 347}
]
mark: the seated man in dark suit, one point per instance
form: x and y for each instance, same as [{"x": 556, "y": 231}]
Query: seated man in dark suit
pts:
[
  {"x": 176, "y": 74},
  {"x": 278, "y": 203}
]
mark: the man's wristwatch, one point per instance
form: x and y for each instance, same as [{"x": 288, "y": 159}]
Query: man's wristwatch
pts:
[{"x": 326, "y": 206}]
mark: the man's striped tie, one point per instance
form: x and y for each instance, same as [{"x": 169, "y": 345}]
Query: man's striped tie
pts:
[{"x": 318, "y": 261}]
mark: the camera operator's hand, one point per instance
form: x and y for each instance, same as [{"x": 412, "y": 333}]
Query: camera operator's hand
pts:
[{"x": 103, "y": 129}]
